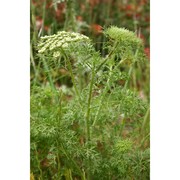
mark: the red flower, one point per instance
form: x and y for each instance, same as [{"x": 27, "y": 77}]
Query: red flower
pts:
[
  {"x": 129, "y": 7},
  {"x": 46, "y": 28},
  {"x": 94, "y": 2},
  {"x": 96, "y": 28},
  {"x": 79, "y": 18},
  {"x": 147, "y": 52}
]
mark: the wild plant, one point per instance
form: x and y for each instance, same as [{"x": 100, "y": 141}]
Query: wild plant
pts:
[{"x": 92, "y": 130}]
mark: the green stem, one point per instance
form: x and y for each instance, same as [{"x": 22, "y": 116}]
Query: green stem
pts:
[
  {"x": 89, "y": 104},
  {"x": 143, "y": 140},
  {"x": 145, "y": 121},
  {"x": 70, "y": 19},
  {"x": 48, "y": 73},
  {"x": 105, "y": 91},
  {"x": 38, "y": 162},
  {"x": 107, "y": 57},
  {"x": 63, "y": 150},
  {"x": 88, "y": 119},
  {"x": 33, "y": 62},
  {"x": 131, "y": 69},
  {"x": 43, "y": 16},
  {"x": 33, "y": 20},
  {"x": 72, "y": 75},
  {"x": 100, "y": 105},
  {"x": 59, "y": 166}
]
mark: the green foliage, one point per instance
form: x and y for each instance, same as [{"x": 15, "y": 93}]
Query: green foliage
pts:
[{"x": 89, "y": 131}]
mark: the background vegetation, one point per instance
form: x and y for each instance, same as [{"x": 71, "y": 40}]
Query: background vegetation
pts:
[{"x": 89, "y": 124}]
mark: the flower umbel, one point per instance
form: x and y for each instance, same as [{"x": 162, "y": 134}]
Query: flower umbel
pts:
[
  {"x": 62, "y": 40},
  {"x": 127, "y": 43}
]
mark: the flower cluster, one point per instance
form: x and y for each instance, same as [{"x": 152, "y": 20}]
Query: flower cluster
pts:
[
  {"x": 127, "y": 43},
  {"x": 62, "y": 40},
  {"x": 123, "y": 36}
]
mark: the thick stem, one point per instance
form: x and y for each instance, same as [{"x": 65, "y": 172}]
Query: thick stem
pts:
[
  {"x": 89, "y": 104},
  {"x": 88, "y": 119}
]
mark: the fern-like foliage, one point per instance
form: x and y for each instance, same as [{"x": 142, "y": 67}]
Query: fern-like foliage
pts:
[{"x": 90, "y": 134}]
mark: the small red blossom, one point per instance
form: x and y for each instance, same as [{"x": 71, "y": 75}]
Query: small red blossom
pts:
[
  {"x": 46, "y": 28},
  {"x": 79, "y": 18},
  {"x": 142, "y": 37},
  {"x": 94, "y": 2},
  {"x": 129, "y": 7},
  {"x": 96, "y": 28},
  {"x": 147, "y": 52}
]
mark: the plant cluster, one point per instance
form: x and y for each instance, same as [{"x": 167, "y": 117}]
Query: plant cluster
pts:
[
  {"x": 94, "y": 129},
  {"x": 90, "y": 17}
]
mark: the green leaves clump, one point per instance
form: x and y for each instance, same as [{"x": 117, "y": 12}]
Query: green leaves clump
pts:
[
  {"x": 91, "y": 132},
  {"x": 58, "y": 131},
  {"x": 122, "y": 146}
]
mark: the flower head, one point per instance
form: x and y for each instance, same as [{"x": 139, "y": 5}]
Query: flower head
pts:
[
  {"x": 127, "y": 43},
  {"x": 62, "y": 40}
]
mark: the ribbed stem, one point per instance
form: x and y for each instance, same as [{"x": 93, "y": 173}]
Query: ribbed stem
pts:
[{"x": 88, "y": 119}]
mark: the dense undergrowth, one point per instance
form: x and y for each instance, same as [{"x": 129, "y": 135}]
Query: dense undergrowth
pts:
[{"x": 89, "y": 106}]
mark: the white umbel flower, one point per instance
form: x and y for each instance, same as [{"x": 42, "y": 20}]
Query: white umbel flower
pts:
[{"x": 62, "y": 40}]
